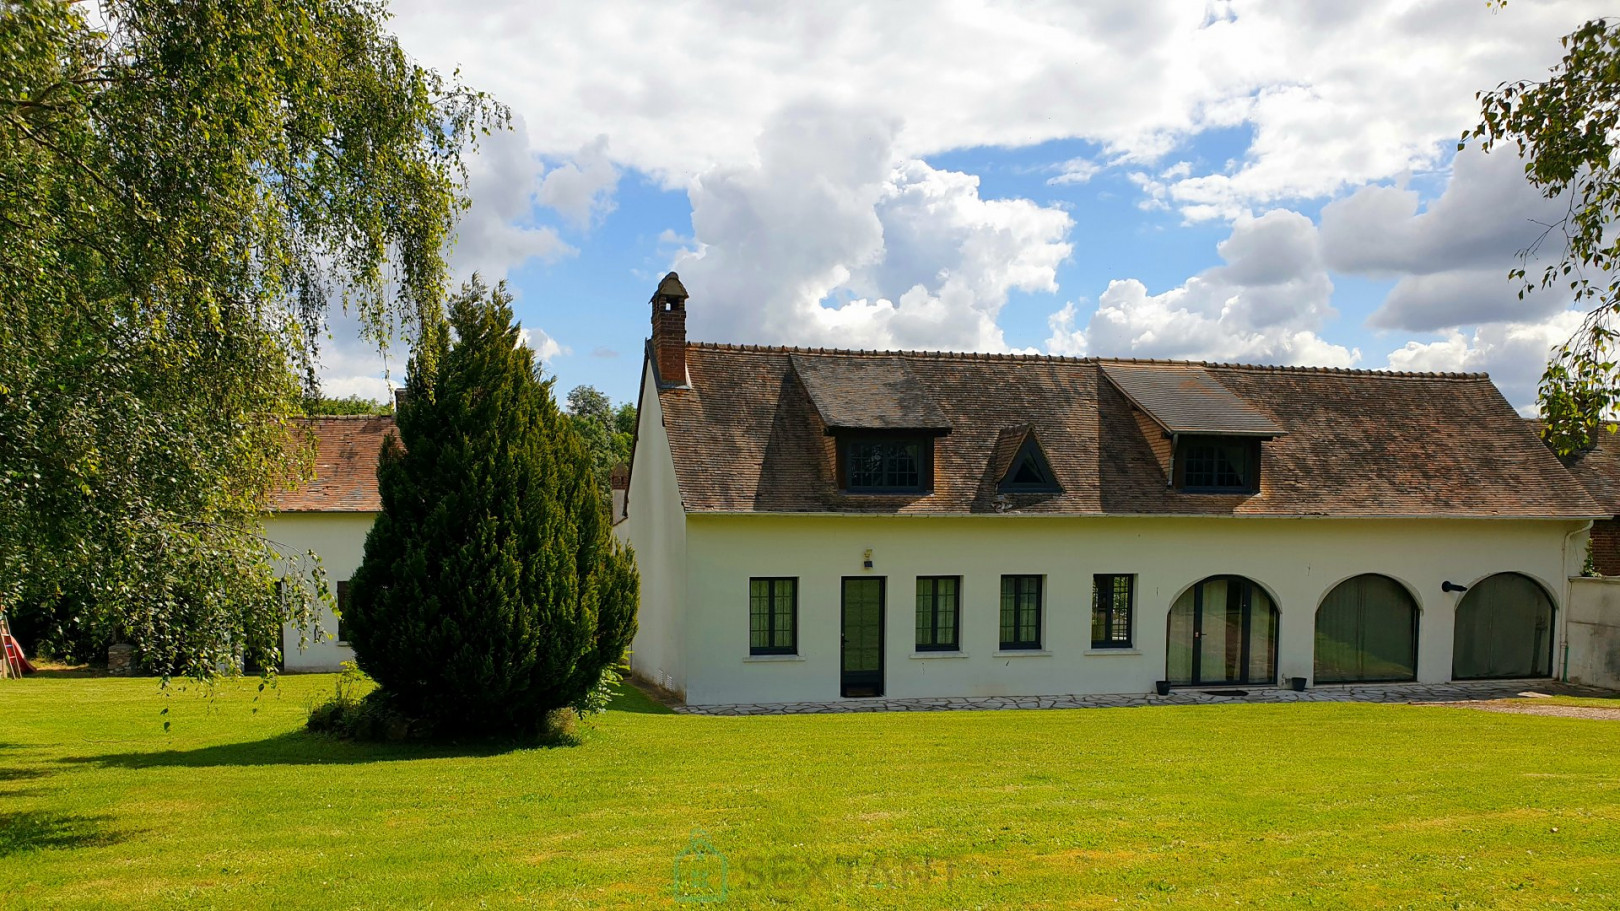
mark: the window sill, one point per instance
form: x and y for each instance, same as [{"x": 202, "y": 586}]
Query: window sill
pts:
[
  {"x": 1112, "y": 651},
  {"x": 767, "y": 659},
  {"x": 939, "y": 654},
  {"x": 1022, "y": 653}
]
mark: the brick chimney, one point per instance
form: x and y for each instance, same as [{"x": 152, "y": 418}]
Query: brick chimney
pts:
[{"x": 669, "y": 331}]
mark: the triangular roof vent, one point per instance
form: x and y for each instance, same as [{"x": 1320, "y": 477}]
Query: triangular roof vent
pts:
[{"x": 1029, "y": 471}]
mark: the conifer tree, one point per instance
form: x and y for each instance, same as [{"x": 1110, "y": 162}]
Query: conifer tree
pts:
[{"x": 492, "y": 589}]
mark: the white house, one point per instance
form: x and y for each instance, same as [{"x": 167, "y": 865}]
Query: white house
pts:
[
  {"x": 331, "y": 517},
  {"x": 815, "y": 525}
]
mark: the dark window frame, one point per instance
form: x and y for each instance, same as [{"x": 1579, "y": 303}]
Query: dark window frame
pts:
[
  {"x": 934, "y": 612},
  {"x": 1020, "y": 610},
  {"x": 1249, "y": 472},
  {"x": 925, "y": 461},
  {"x": 340, "y": 597},
  {"x": 1105, "y": 606},
  {"x": 772, "y": 582},
  {"x": 1031, "y": 452}
]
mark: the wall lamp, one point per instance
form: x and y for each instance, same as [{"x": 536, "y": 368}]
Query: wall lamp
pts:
[{"x": 1449, "y": 586}]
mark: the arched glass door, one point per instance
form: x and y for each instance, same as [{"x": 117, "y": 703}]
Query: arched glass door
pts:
[
  {"x": 1222, "y": 631},
  {"x": 1366, "y": 630},
  {"x": 1504, "y": 629}
]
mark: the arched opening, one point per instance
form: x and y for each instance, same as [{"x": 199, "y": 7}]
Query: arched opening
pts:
[
  {"x": 1504, "y": 629},
  {"x": 1366, "y": 631},
  {"x": 1222, "y": 631}
]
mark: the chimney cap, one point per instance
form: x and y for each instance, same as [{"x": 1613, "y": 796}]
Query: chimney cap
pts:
[{"x": 671, "y": 287}]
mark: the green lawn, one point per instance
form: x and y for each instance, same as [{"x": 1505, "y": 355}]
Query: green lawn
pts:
[{"x": 1270, "y": 806}]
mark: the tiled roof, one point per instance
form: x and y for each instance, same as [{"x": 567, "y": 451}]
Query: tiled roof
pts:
[
  {"x": 345, "y": 465},
  {"x": 1185, "y": 398},
  {"x": 1598, "y": 468},
  {"x": 746, "y": 437},
  {"x": 867, "y": 393}
]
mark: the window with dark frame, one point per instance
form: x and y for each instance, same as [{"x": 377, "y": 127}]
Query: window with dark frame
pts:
[
  {"x": 1218, "y": 464},
  {"x": 773, "y": 616},
  {"x": 1020, "y": 612},
  {"x": 342, "y": 597},
  {"x": 939, "y": 616},
  {"x": 1112, "y": 597},
  {"x": 1030, "y": 472},
  {"x": 878, "y": 465}
]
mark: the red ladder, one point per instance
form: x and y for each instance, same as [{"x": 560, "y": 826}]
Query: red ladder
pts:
[{"x": 14, "y": 664}]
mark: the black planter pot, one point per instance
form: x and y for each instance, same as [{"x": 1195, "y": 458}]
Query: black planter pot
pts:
[
  {"x": 1162, "y": 687},
  {"x": 1298, "y": 684}
]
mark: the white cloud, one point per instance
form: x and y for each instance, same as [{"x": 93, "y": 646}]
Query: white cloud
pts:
[
  {"x": 496, "y": 235},
  {"x": 1514, "y": 354},
  {"x": 1453, "y": 257},
  {"x": 1335, "y": 94},
  {"x": 1075, "y": 171},
  {"x": 545, "y": 347},
  {"x": 1267, "y": 304},
  {"x": 581, "y": 190},
  {"x": 831, "y": 239}
]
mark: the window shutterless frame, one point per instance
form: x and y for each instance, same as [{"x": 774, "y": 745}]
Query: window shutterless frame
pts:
[
  {"x": 1112, "y": 608},
  {"x": 1021, "y": 612},
  {"x": 342, "y": 595},
  {"x": 885, "y": 463},
  {"x": 939, "y": 613},
  {"x": 773, "y": 616}
]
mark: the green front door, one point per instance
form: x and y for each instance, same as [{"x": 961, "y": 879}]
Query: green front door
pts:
[{"x": 861, "y": 664}]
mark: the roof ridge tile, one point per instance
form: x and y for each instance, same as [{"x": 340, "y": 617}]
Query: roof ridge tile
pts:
[{"x": 1072, "y": 359}]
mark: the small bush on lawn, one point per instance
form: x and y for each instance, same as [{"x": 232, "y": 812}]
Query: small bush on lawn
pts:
[{"x": 493, "y": 592}]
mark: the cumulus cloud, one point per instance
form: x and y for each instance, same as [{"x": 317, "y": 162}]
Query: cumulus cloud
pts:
[
  {"x": 1514, "y": 354},
  {"x": 1266, "y": 304},
  {"x": 834, "y": 239},
  {"x": 497, "y": 234},
  {"x": 581, "y": 190},
  {"x": 1452, "y": 258},
  {"x": 1334, "y": 94},
  {"x": 545, "y": 348}
]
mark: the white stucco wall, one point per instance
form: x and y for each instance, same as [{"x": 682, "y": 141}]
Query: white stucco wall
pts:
[
  {"x": 1594, "y": 632},
  {"x": 1296, "y": 560},
  {"x": 656, "y": 529},
  {"x": 340, "y": 539}
]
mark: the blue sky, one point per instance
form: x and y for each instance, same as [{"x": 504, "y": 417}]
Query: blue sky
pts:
[{"x": 1248, "y": 181}]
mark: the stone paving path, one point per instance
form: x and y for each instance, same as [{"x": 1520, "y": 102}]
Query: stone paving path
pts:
[{"x": 1411, "y": 693}]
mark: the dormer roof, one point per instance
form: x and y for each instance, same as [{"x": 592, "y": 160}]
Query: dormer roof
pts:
[
  {"x": 1188, "y": 399},
  {"x": 868, "y": 393}
]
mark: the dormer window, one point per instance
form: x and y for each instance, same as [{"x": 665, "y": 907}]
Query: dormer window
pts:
[
  {"x": 1029, "y": 471},
  {"x": 887, "y": 464},
  {"x": 1207, "y": 464}
]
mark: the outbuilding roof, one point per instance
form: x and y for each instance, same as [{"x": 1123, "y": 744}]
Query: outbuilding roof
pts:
[
  {"x": 346, "y": 450},
  {"x": 751, "y": 435}
]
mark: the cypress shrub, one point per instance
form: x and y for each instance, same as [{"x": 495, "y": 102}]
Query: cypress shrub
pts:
[{"x": 493, "y": 591}]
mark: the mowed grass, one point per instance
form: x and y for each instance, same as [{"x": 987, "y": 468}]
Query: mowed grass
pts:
[{"x": 1252, "y": 806}]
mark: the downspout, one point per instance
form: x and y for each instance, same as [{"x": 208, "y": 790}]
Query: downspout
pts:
[{"x": 1569, "y": 592}]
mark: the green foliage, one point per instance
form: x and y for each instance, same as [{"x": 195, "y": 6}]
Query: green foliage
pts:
[
  {"x": 597, "y": 699},
  {"x": 357, "y": 710},
  {"x": 349, "y": 404},
  {"x": 184, "y": 187},
  {"x": 492, "y": 590},
  {"x": 608, "y": 432},
  {"x": 1565, "y": 128}
]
